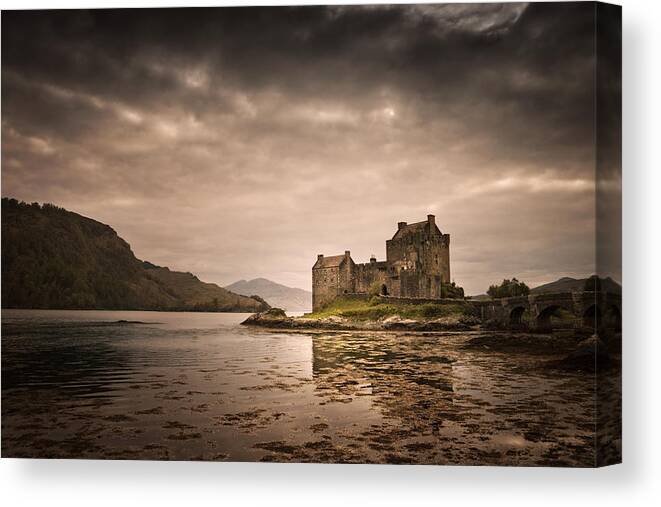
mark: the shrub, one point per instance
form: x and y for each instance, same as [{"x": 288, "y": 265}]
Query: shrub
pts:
[
  {"x": 451, "y": 290},
  {"x": 375, "y": 289},
  {"x": 276, "y": 312},
  {"x": 374, "y": 301},
  {"x": 431, "y": 311}
]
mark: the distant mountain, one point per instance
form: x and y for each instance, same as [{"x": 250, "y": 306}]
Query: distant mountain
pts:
[
  {"x": 277, "y": 295},
  {"x": 567, "y": 284},
  {"x": 53, "y": 258}
]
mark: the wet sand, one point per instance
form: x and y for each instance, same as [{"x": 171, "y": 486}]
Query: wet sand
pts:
[{"x": 201, "y": 387}]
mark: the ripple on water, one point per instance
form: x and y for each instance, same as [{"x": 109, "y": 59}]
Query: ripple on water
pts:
[{"x": 198, "y": 386}]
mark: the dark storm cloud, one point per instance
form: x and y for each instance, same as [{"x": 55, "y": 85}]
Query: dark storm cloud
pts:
[{"x": 241, "y": 142}]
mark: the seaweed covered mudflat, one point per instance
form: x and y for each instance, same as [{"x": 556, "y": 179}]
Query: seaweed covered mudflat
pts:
[
  {"x": 219, "y": 391},
  {"x": 359, "y": 316}
]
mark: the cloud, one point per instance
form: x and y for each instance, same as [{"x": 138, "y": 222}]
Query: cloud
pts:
[{"x": 241, "y": 142}]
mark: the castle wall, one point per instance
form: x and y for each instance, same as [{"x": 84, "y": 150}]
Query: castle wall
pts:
[
  {"x": 325, "y": 286},
  {"x": 431, "y": 254},
  {"x": 410, "y": 284},
  {"x": 347, "y": 282},
  {"x": 371, "y": 274},
  {"x": 330, "y": 281},
  {"x": 403, "y": 301}
]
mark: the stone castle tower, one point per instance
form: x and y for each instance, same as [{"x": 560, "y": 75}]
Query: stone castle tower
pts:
[{"x": 417, "y": 265}]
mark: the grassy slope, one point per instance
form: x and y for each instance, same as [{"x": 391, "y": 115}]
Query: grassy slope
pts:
[{"x": 374, "y": 310}]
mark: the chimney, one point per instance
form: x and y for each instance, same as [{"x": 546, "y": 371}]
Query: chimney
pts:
[
  {"x": 431, "y": 219},
  {"x": 320, "y": 257},
  {"x": 401, "y": 225},
  {"x": 347, "y": 254},
  {"x": 373, "y": 258}
]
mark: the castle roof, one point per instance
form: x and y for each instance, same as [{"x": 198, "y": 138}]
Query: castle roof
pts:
[
  {"x": 329, "y": 262},
  {"x": 410, "y": 229}
]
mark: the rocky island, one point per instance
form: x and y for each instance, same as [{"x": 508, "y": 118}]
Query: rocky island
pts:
[{"x": 376, "y": 313}]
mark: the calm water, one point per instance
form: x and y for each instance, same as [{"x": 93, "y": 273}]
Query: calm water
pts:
[{"x": 81, "y": 384}]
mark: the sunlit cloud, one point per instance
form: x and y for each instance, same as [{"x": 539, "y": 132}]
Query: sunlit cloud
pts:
[{"x": 529, "y": 184}]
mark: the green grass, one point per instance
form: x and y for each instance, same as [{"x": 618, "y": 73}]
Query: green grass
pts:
[{"x": 374, "y": 310}]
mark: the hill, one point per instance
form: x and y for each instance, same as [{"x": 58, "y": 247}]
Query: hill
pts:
[
  {"x": 53, "y": 258},
  {"x": 566, "y": 284},
  {"x": 278, "y": 295}
]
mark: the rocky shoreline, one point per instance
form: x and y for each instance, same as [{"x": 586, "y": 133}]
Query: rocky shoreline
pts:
[
  {"x": 573, "y": 352},
  {"x": 275, "y": 319}
]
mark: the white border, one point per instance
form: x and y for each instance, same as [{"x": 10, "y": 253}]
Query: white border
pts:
[{"x": 636, "y": 482}]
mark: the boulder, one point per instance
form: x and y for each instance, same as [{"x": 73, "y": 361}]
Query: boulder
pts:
[{"x": 274, "y": 317}]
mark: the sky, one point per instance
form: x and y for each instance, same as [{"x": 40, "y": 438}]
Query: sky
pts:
[{"x": 238, "y": 143}]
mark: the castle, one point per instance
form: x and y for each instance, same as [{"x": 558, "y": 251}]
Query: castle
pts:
[{"x": 417, "y": 265}]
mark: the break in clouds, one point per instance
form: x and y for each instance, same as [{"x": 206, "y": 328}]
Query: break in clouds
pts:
[{"x": 241, "y": 142}]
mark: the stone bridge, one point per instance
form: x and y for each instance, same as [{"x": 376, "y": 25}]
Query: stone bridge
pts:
[{"x": 543, "y": 312}]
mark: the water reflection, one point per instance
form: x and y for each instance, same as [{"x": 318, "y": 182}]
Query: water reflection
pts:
[
  {"x": 459, "y": 406},
  {"x": 196, "y": 386}
]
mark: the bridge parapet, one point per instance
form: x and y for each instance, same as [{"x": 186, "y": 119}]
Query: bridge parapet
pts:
[
  {"x": 515, "y": 300},
  {"x": 585, "y": 307}
]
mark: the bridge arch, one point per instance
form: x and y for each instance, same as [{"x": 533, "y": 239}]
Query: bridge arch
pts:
[
  {"x": 612, "y": 318},
  {"x": 384, "y": 290},
  {"x": 546, "y": 315},
  {"x": 516, "y": 316},
  {"x": 592, "y": 317}
]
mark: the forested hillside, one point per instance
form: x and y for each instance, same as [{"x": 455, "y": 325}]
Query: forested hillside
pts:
[{"x": 53, "y": 258}]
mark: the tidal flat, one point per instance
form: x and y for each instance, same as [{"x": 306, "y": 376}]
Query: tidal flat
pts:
[{"x": 195, "y": 386}]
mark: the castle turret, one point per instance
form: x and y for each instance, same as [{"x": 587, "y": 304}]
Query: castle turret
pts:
[{"x": 418, "y": 259}]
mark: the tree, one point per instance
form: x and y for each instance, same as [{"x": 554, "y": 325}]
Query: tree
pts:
[
  {"x": 452, "y": 290},
  {"x": 509, "y": 288}
]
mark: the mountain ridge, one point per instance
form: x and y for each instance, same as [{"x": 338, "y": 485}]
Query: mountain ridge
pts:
[{"x": 277, "y": 294}]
